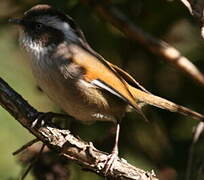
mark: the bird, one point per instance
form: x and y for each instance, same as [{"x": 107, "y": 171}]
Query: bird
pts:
[{"x": 77, "y": 78}]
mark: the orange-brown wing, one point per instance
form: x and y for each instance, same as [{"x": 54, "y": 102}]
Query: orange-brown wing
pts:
[
  {"x": 97, "y": 70},
  {"x": 127, "y": 77},
  {"x": 101, "y": 74}
]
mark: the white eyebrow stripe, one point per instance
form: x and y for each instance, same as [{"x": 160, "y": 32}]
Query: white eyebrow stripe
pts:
[{"x": 55, "y": 22}]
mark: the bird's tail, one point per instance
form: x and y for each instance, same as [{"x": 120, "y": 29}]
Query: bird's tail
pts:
[{"x": 151, "y": 99}]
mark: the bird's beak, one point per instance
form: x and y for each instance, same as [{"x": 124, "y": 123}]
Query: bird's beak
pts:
[{"x": 16, "y": 21}]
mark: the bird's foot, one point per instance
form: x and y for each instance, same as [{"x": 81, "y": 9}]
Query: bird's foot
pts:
[
  {"x": 108, "y": 168},
  {"x": 41, "y": 118}
]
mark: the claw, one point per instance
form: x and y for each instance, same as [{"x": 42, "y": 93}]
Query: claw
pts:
[
  {"x": 42, "y": 118},
  {"x": 108, "y": 168}
]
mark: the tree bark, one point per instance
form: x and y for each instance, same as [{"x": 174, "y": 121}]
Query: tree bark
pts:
[{"x": 64, "y": 143}]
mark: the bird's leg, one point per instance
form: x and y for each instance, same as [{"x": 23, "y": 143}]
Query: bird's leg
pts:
[{"x": 114, "y": 154}]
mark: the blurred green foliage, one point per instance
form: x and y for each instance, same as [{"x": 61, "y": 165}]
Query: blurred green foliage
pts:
[{"x": 161, "y": 145}]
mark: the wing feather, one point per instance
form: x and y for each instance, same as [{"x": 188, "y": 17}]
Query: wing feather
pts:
[
  {"x": 103, "y": 75},
  {"x": 128, "y": 78}
]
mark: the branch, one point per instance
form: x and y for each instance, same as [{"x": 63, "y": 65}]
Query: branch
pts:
[
  {"x": 156, "y": 46},
  {"x": 188, "y": 5},
  {"x": 64, "y": 143},
  {"x": 195, "y": 163},
  {"x": 196, "y": 9}
]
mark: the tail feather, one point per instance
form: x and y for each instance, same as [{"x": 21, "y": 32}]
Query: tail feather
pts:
[{"x": 164, "y": 104}]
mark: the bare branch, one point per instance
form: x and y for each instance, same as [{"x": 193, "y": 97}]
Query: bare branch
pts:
[
  {"x": 196, "y": 8},
  {"x": 188, "y": 5},
  {"x": 156, "y": 46},
  {"x": 64, "y": 143},
  {"x": 25, "y": 146},
  {"x": 197, "y": 132}
]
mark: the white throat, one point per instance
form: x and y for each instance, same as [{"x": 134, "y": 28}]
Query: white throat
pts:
[{"x": 35, "y": 49}]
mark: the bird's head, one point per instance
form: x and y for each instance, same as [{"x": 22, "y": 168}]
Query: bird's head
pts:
[{"x": 43, "y": 27}]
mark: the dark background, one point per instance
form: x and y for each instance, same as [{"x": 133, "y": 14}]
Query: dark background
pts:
[{"x": 161, "y": 145}]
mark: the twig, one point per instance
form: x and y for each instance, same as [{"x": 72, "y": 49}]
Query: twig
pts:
[
  {"x": 33, "y": 162},
  {"x": 64, "y": 143},
  {"x": 156, "y": 46},
  {"x": 196, "y": 135},
  {"x": 25, "y": 146},
  {"x": 188, "y": 5},
  {"x": 196, "y": 9}
]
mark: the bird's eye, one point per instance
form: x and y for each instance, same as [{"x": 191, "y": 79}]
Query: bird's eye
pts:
[{"x": 38, "y": 26}]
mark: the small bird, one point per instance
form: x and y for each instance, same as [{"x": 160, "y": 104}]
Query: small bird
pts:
[{"x": 77, "y": 78}]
